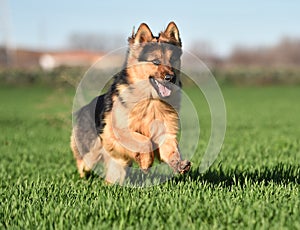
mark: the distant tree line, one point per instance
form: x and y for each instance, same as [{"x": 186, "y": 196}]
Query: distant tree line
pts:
[{"x": 285, "y": 53}]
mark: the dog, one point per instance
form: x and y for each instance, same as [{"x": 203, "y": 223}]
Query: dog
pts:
[{"x": 137, "y": 119}]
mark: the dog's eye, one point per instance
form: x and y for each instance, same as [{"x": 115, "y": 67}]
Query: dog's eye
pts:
[{"x": 156, "y": 62}]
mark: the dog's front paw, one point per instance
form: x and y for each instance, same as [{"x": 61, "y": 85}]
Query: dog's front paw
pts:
[
  {"x": 184, "y": 166},
  {"x": 178, "y": 165}
]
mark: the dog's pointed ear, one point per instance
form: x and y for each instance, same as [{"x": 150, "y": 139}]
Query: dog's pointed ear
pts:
[
  {"x": 172, "y": 32},
  {"x": 142, "y": 35}
]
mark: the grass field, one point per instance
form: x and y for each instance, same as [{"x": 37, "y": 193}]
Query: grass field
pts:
[{"x": 253, "y": 184}]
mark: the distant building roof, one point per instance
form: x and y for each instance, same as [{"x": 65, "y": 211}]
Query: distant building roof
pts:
[
  {"x": 52, "y": 60},
  {"x": 26, "y": 58}
]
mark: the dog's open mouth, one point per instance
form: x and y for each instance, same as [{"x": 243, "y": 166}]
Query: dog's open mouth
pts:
[{"x": 161, "y": 87}]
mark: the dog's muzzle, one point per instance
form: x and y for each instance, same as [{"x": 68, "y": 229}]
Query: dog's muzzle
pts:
[{"x": 163, "y": 88}]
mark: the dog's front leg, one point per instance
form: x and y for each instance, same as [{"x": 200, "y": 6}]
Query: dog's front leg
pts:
[
  {"x": 121, "y": 150},
  {"x": 115, "y": 171},
  {"x": 136, "y": 146},
  {"x": 169, "y": 153}
]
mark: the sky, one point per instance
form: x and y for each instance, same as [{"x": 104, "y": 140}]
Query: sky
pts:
[{"x": 223, "y": 24}]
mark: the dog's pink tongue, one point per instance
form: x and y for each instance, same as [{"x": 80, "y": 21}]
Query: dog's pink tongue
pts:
[{"x": 164, "y": 91}]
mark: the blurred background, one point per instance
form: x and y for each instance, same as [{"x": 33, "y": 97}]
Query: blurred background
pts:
[
  {"x": 251, "y": 47},
  {"x": 242, "y": 43}
]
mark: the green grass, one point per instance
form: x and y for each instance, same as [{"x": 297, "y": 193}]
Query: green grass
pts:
[{"x": 254, "y": 182}]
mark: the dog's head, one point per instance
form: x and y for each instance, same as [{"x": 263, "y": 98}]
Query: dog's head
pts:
[{"x": 155, "y": 59}]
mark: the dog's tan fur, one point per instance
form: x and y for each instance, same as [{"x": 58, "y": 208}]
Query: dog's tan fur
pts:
[{"x": 142, "y": 120}]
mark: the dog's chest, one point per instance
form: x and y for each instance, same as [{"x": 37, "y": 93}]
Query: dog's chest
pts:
[{"x": 150, "y": 116}]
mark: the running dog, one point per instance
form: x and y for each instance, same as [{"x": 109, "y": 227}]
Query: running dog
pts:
[{"x": 137, "y": 119}]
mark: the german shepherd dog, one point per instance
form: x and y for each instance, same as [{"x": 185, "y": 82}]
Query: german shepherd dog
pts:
[{"x": 137, "y": 119}]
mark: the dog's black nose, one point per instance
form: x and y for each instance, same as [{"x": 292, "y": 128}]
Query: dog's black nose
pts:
[{"x": 168, "y": 77}]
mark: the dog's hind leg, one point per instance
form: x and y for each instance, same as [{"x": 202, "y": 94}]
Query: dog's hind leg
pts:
[
  {"x": 79, "y": 159},
  {"x": 86, "y": 161}
]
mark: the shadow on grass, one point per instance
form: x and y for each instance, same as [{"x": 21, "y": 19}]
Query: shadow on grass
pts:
[{"x": 280, "y": 174}]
